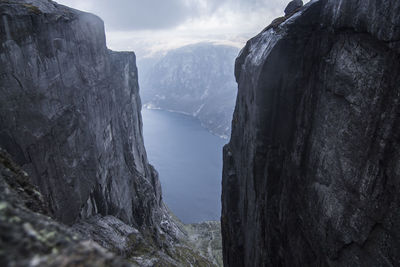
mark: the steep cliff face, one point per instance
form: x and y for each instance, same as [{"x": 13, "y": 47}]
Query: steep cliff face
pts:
[
  {"x": 312, "y": 172},
  {"x": 70, "y": 114},
  {"x": 70, "y": 117}
]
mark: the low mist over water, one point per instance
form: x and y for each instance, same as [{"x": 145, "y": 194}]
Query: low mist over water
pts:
[{"x": 189, "y": 161}]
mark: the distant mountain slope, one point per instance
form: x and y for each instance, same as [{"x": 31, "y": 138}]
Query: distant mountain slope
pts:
[{"x": 197, "y": 80}]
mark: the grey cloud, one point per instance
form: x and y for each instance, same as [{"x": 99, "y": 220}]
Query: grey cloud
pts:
[
  {"x": 251, "y": 5},
  {"x": 141, "y": 14},
  {"x": 125, "y": 15}
]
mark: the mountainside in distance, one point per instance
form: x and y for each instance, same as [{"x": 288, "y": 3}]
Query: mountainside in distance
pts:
[
  {"x": 312, "y": 171},
  {"x": 196, "y": 80}
]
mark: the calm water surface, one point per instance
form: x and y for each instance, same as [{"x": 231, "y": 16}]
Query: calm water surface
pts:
[{"x": 189, "y": 161}]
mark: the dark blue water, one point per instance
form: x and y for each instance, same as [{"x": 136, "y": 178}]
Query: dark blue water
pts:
[{"x": 189, "y": 161}]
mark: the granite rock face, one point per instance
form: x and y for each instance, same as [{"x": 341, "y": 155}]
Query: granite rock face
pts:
[
  {"x": 30, "y": 238},
  {"x": 70, "y": 114},
  {"x": 293, "y": 6},
  {"x": 312, "y": 171}
]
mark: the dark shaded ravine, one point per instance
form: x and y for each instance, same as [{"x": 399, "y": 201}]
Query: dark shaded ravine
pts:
[{"x": 311, "y": 175}]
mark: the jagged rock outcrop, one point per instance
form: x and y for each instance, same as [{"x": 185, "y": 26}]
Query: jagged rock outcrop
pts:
[
  {"x": 196, "y": 80},
  {"x": 141, "y": 249},
  {"x": 312, "y": 171},
  {"x": 30, "y": 238},
  {"x": 293, "y": 6}
]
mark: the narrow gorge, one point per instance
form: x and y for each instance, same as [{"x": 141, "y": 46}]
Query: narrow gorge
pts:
[{"x": 311, "y": 174}]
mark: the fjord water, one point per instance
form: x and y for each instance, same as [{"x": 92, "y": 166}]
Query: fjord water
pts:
[{"x": 189, "y": 161}]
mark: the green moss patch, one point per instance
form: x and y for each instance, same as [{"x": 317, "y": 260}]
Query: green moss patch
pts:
[{"x": 33, "y": 9}]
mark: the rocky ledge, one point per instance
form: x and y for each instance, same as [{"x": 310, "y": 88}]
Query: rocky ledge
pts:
[{"x": 29, "y": 237}]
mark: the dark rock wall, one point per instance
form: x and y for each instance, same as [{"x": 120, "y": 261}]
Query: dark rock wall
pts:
[
  {"x": 70, "y": 114},
  {"x": 312, "y": 172},
  {"x": 29, "y": 238}
]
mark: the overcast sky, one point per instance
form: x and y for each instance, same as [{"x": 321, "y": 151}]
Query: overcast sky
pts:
[{"x": 150, "y": 26}]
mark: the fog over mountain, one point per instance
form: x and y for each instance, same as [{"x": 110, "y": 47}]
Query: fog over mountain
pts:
[
  {"x": 148, "y": 27},
  {"x": 196, "y": 80}
]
